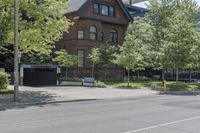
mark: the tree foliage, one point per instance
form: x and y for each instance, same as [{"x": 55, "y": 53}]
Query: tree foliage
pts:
[
  {"x": 174, "y": 33},
  {"x": 159, "y": 11},
  {"x": 42, "y": 22},
  {"x": 65, "y": 60},
  {"x": 106, "y": 57},
  {"x": 132, "y": 53},
  {"x": 94, "y": 57}
]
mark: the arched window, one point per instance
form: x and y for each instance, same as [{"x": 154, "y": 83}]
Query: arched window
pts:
[
  {"x": 113, "y": 36},
  {"x": 93, "y": 32}
]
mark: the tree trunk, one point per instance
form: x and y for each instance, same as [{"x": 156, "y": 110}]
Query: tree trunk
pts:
[
  {"x": 93, "y": 70},
  {"x": 177, "y": 75},
  {"x": 128, "y": 77},
  {"x": 190, "y": 78}
]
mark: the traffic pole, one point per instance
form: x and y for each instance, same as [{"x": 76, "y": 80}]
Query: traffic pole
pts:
[{"x": 16, "y": 50}]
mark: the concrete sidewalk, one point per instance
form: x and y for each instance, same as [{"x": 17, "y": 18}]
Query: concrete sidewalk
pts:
[{"x": 42, "y": 95}]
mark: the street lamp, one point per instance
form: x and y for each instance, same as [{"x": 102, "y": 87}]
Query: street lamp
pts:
[{"x": 16, "y": 50}]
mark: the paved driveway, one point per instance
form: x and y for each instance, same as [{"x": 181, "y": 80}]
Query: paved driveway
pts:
[
  {"x": 63, "y": 93},
  {"x": 35, "y": 95}
]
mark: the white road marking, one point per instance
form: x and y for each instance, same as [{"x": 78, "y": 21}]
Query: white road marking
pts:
[{"x": 162, "y": 125}]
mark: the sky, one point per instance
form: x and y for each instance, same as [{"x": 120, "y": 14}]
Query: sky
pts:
[{"x": 143, "y": 4}]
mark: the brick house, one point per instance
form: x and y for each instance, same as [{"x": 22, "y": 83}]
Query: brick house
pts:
[{"x": 94, "y": 22}]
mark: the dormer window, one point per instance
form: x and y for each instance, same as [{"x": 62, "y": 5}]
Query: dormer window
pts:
[
  {"x": 111, "y": 11},
  {"x": 96, "y": 8},
  {"x": 104, "y": 9}
]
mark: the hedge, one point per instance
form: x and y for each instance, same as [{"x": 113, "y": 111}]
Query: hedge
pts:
[{"x": 4, "y": 81}]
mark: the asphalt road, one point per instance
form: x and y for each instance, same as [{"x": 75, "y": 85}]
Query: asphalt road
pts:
[{"x": 155, "y": 114}]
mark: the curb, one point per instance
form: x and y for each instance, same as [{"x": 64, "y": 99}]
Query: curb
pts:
[
  {"x": 181, "y": 93},
  {"x": 18, "y": 104},
  {"x": 22, "y": 104}
]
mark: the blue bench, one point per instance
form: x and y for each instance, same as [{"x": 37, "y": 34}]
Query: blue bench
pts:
[{"x": 88, "y": 81}]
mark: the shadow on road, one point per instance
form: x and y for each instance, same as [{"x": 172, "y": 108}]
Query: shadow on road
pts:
[{"x": 26, "y": 99}]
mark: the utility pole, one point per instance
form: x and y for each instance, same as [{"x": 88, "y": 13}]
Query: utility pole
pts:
[{"x": 16, "y": 50}]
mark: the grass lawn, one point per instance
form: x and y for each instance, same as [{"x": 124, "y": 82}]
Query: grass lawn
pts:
[
  {"x": 6, "y": 91},
  {"x": 171, "y": 85},
  {"x": 183, "y": 86},
  {"x": 135, "y": 84}
]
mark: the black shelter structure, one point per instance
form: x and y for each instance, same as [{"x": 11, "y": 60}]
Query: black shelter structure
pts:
[{"x": 38, "y": 75}]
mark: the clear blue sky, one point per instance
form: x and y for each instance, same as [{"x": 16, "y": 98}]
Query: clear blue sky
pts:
[{"x": 143, "y": 4}]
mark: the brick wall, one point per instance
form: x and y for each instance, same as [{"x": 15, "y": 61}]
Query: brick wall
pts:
[{"x": 72, "y": 44}]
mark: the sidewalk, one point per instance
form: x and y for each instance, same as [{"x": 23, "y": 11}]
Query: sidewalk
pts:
[{"x": 56, "y": 94}]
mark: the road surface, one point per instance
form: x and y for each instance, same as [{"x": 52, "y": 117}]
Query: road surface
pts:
[{"x": 152, "y": 114}]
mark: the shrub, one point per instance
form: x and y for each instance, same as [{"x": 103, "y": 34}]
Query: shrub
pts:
[
  {"x": 111, "y": 79},
  {"x": 140, "y": 78},
  {"x": 100, "y": 84},
  {"x": 4, "y": 81},
  {"x": 71, "y": 79}
]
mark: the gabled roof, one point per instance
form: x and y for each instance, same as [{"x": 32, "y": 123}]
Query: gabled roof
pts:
[
  {"x": 125, "y": 10},
  {"x": 77, "y": 5},
  {"x": 135, "y": 11},
  {"x": 136, "y": 8}
]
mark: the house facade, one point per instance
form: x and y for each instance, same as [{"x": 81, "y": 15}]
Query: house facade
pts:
[{"x": 94, "y": 22}]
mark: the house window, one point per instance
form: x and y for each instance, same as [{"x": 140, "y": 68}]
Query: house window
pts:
[
  {"x": 113, "y": 36},
  {"x": 96, "y": 8},
  {"x": 80, "y": 58},
  {"x": 111, "y": 11},
  {"x": 93, "y": 33},
  {"x": 101, "y": 36},
  {"x": 104, "y": 10},
  {"x": 80, "y": 34}
]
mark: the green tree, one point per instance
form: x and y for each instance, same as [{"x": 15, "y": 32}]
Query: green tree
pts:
[
  {"x": 36, "y": 58},
  {"x": 7, "y": 58},
  {"x": 181, "y": 34},
  {"x": 94, "y": 56},
  {"x": 193, "y": 63},
  {"x": 132, "y": 52},
  {"x": 159, "y": 11},
  {"x": 173, "y": 24},
  {"x": 106, "y": 57},
  {"x": 140, "y": 35},
  {"x": 42, "y": 22},
  {"x": 6, "y": 21},
  {"x": 65, "y": 60}
]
